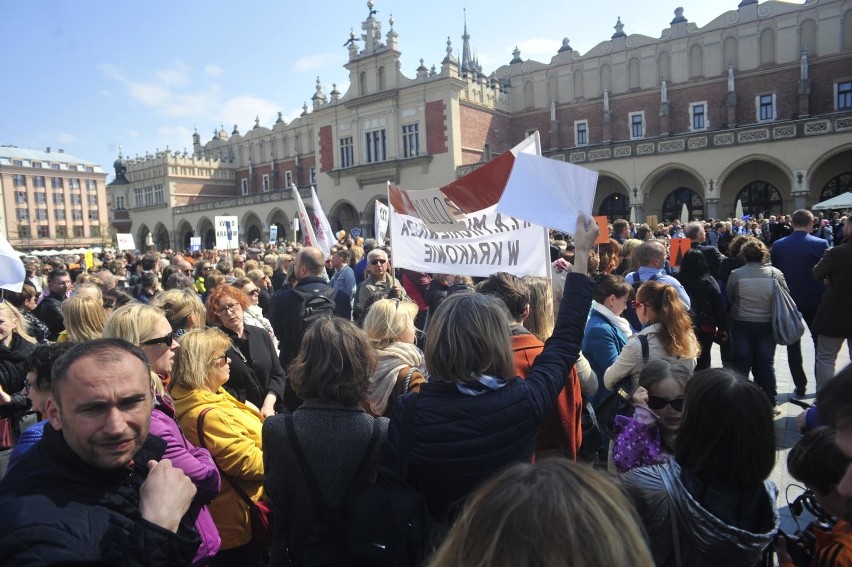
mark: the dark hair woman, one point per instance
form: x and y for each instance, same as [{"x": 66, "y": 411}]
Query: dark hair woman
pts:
[{"x": 709, "y": 319}]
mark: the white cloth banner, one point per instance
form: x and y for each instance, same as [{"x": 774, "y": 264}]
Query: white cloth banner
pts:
[
  {"x": 309, "y": 237},
  {"x": 227, "y": 235},
  {"x": 12, "y": 271},
  {"x": 492, "y": 242},
  {"x": 325, "y": 238},
  {"x": 382, "y": 214},
  {"x": 125, "y": 241}
]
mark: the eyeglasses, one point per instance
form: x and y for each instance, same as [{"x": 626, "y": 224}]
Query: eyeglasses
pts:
[
  {"x": 253, "y": 292},
  {"x": 187, "y": 272},
  {"x": 167, "y": 340},
  {"x": 658, "y": 403},
  {"x": 27, "y": 387},
  {"x": 222, "y": 359},
  {"x": 378, "y": 261},
  {"x": 232, "y": 308},
  {"x": 206, "y": 267}
]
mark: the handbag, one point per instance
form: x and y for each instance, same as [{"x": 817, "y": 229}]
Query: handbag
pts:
[
  {"x": 260, "y": 512},
  {"x": 787, "y": 323},
  {"x": 6, "y": 433}
]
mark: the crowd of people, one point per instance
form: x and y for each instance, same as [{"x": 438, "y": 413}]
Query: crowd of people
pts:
[{"x": 215, "y": 408}]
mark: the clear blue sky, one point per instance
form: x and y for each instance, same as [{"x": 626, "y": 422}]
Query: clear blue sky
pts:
[{"x": 95, "y": 75}]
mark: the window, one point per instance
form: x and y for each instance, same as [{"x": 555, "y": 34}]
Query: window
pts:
[
  {"x": 698, "y": 113},
  {"x": 61, "y": 232},
  {"x": 22, "y": 214},
  {"x": 376, "y": 146},
  {"x": 637, "y": 125},
  {"x": 37, "y": 164},
  {"x": 56, "y": 183},
  {"x": 119, "y": 202},
  {"x": 58, "y": 199},
  {"x": 288, "y": 178},
  {"x": 77, "y": 214},
  {"x": 244, "y": 186},
  {"x": 347, "y": 156},
  {"x": 93, "y": 214},
  {"x": 17, "y": 162},
  {"x": 38, "y": 181},
  {"x": 78, "y": 232},
  {"x": 89, "y": 169},
  {"x": 74, "y": 184},
  {"x": 411, "y": 140},
  {"x": 44, "y": 232},
  {"x": 844, "y": 95},
  {"x": 20, "y": 180},
  {"x": 266, "y": 184},
  {"x": 24, "y": 231},
  {"x": 765, "y": 107},
  {"x": 54, "y": 166},
  {"x": 41, "y": 214},
  {"x": 91, "y": 185},
  {"x": 40, "y": 198},
  {"x": 59, "y": 214},
  {"x": 581, "y": 133},
  {"x": 21, "y": 197},
  {"x": 94, "y": 231},
  {"x": 76, "y": 200},
  {"x": 313, "y": 173},
  {"x": 92, "y": 200},
  {"x": 72, "y": 168}
]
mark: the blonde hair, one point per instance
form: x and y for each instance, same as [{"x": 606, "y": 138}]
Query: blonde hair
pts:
[
  {"x": 178, "y": 305},
  {"x": 84, "y": 318},
  {"x": 21, "y": 328},
  {"x": 387, "y": 319},
  {"x": 554, "y": 512},
  {"x": 540, "y": 321},
  {"x": 135, "y": 323},
  {"x": 196, "y": 357}
]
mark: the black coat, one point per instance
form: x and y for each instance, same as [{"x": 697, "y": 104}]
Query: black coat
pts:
[
  {"x": 255, "y": 368},
  {"x": 50, "y": 312},
  {"x": 13, "y": 370},
  {"x": 59, "y": 510},
  {"x": 832, "y": 317}
]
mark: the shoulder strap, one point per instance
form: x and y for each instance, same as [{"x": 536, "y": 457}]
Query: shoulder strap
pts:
[
  {"x": 654, "y": 278},
  {"x": 233, "y": 482},
  {"x": 635, "y": 277},
  {"x": 646, "y": 349}
]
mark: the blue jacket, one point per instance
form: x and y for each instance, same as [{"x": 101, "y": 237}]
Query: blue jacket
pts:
[
  {"x": 795, "y": 256},
  {"x": 602, "y": 343},
  {"x": 28, "y": 439},
  {"x": 459, "y": 440}
]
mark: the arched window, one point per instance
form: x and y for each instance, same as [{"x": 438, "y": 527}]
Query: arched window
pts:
[
  {"x": 633, "y": 74},
  {"x": 729, "y": 53},
  {"x": 579, "y": 89},
  {"x": 210, "y": 239},
  {"x": 837, "y": 186},
  {"x": 381, "y": 78},
  {"x": 362, "y": 83},
  {"x": 807, "y": 37},
  {"x": 760, "y": 197},
  {"x": 529, "y": 95},
  {"x": 673, "y": 204},
  {"x": 606, "y": 78},
  {"x": 614, "y": 206},
  {"x": 664, "y": 66},
  {"x": 696, "y": 61},
  {"x": 253, "y": 233},
  {"x": 767, "y": 46}
]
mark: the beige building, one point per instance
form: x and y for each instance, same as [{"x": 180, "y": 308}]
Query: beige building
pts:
[
  {"x": 754, "y": 106},
  {"x": 52, "y": 200}
]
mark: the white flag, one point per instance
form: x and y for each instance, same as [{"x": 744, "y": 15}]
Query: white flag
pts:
[
  {"x": 381, "y": 221},
  {"x": 12, "y": 272},
  {"x": 325, "y": 238},
  {"x": 307, "y": 226}
]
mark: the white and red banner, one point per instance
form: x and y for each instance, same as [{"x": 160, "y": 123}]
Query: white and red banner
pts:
[
  {"x": 325, "y": 238},
  {"x": 307, "y": 226}
]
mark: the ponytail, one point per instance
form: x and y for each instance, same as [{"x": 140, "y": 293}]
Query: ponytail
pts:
[{"x": 676, "y": 333}]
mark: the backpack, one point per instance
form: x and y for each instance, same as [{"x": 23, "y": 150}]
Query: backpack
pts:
[
  {"x": 313, "y": 307},
  {"x": 630, "y": 312},
  {"x": 327, "y": 542}
]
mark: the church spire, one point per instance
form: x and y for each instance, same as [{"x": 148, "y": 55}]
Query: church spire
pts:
[{"x": 466, "y": 62}]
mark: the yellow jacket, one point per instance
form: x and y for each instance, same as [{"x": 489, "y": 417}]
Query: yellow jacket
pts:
[{"x": 232, "y": 434}]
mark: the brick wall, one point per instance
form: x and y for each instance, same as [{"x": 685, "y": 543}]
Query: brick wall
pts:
[
  {"x": 480, "y": 127},
  {"x": 326, "y": 149},
  {"x": 436, "y": 127}
]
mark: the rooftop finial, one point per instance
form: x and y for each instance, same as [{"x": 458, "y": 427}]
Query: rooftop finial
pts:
[{"x": 619, "y": 29}]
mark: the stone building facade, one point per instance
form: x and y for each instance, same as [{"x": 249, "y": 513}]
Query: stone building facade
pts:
[
  {"x": 755, "y": 106},
  {"x": 51, "y": 199}
]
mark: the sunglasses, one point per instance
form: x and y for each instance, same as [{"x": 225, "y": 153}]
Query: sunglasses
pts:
[
  {"x": 167, "y": 340},
  {"x": 376, "y": 262},
  {"x": 222, "y": 359},
  {"x": 658, "y": 403},
  {"x": 253, "y": 292}
]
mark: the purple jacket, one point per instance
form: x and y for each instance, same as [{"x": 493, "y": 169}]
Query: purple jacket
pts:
[{"x": 198, "y": 465}]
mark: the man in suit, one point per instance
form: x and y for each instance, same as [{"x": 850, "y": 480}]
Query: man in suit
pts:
[
  {"x": 831, "y": 322},
  {"x": 795, "y": 256},
  {"x": 695, "y": 232}
]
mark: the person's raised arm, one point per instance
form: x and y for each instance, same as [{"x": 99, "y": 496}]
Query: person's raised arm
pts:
[{"x": 584, "y": 241}]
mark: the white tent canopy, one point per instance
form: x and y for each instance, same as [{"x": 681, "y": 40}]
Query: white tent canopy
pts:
[{"x": 843, "y": 201}]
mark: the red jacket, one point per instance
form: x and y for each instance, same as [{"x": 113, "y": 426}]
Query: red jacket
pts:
[{"x": 560, "y": 431}]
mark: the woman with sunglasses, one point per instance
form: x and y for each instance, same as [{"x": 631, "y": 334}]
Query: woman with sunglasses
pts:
[
  {"x": 648, "y": 436},
  {"x": 148, "y": 328},
  {"x": 667, "y": 328},
  {"x": 256, "y": 378},
  {"x": 400, "y": 369},
  {"x": 253, "y": 314},
  {"x": 15, "y": 346}
]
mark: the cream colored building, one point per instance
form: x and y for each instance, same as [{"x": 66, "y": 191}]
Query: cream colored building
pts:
[
  {"x": 51, "y": 199},
  {"x": 756, "y": 106}
]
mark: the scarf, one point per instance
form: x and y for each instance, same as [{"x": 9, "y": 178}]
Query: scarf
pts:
[
  {"x": 391, "y": 360},
  {"x": 619, "y": 323}
]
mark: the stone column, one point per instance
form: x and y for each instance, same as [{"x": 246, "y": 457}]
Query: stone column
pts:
[
  {"x": 712, "y": 207},
  {"x": 800, "y": 189}
]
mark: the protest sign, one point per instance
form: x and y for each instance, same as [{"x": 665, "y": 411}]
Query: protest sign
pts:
[
  {"x": 227, "y": 236},
  {"x": 125, "y": 241},
  {"x": 678, "y": 247},
  {"x": 273, "y": 234},
  {"x": 603, "y": 226},
  {"x": 195, "y": 244}
]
